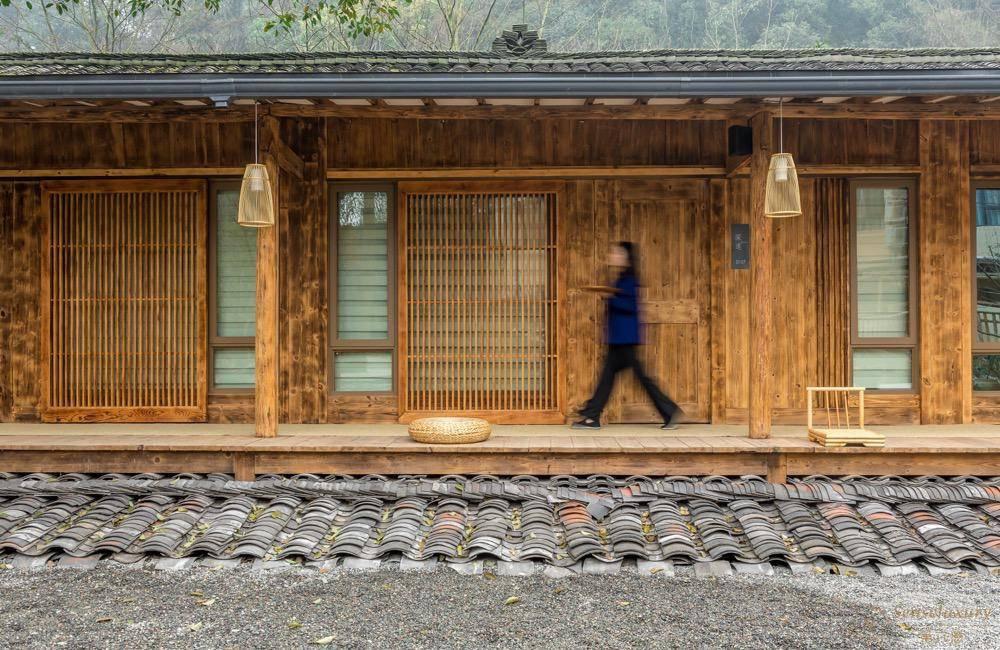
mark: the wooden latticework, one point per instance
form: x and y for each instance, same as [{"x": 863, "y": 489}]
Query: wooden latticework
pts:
[
  {"x": 480, "y": 303},
  {"x": 841, "y": 417},
  {"x": 124, "y": 305}
]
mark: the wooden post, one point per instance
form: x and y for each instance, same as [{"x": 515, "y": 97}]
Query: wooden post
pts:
[
  {"x": 243, "y": 467},
  {"x": 266, "y": 338},
  {"x": 945, "y": 249},
  {"x": 777, "y": 468},
  {"x": 761, "y": 333}
]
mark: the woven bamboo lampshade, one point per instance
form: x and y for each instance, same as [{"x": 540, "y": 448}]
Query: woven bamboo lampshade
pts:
[
  {"x": 256, "y": 206},
  {"x": 781, "y": 196}
]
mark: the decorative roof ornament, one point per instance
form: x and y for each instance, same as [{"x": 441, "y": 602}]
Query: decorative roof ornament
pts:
[{"x": 520, "y": 41}]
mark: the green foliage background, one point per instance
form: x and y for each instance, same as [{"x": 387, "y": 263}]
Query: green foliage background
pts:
[{"x": 568, "y": 25}]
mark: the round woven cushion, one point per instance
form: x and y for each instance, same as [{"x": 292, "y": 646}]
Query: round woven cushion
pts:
[{"x": 449, "y": 430}]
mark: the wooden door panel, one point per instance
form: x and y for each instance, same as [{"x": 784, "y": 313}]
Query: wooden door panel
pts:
[
  {"x": 123, "y": 306},
  {"x": 478, "y": 303},
  {"x": 667, "y": 221}
]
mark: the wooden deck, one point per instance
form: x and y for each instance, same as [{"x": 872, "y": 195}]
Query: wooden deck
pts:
[{"x": 541, "y": 450}]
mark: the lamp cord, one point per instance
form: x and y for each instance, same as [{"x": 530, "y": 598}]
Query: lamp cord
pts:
[
  {"x": 781, "y": 125},
  {"x": 256, "y": 147}
]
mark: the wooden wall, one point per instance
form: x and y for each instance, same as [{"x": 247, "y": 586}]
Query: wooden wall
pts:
[
  {"x": 984, "y": 142},
  {"x": 851, "y": 142},
  {"x": 810, "y": 298},
  {"x": 139, "y": 145},
  {"x": 20, "y": 267},
  {"x": 407, "y": 144}
]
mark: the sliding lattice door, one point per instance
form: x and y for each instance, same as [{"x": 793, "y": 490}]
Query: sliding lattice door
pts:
[
  {"x": 480, "y": 302},
  {"x": 125, "y": 301}
]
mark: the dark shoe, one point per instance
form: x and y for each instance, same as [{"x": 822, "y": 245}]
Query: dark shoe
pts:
[
  {"x": 586, "y": 423},
  {"x": 674, "y": 420}
]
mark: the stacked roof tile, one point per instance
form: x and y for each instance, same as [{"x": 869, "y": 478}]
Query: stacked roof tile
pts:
[
  {"x": 533, "y": 60},
  {"x": 559, "y": 521}
]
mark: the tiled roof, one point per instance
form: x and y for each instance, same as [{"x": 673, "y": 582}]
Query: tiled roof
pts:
[
  {"x": 561, "y": 521},
  {"x": 662, "y": 61}
]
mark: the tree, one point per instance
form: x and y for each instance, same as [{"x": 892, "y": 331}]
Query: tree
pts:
[
  {"x": 567, "y": 25},
  {"x": 358, "y": 17}
]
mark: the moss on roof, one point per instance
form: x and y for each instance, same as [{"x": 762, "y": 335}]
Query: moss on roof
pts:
[{"x": 694, "y": 61}]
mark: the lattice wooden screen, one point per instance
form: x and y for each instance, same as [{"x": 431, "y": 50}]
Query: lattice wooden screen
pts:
[
  {"x": 480, "y": 302},
  {"x": 125, "y": 301}
]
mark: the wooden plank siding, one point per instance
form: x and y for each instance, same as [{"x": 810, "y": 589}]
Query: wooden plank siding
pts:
[
  {"x": 402, "y": 144},
  {"x": 810, "y": 293},
  {"x": 125, "y": 145},
  {"x": 863, "y": 142},
  {"x": 20, "y": 261}
]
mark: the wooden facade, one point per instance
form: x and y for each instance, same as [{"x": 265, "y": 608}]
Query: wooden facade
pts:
[{"x": 666, "y": 183}]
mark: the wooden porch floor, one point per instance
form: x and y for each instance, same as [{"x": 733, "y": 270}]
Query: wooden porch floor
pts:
[{"x": 539, "y": 449}]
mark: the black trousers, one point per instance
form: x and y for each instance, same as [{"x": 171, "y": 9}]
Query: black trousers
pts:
[{"x": 618, "y": 358}]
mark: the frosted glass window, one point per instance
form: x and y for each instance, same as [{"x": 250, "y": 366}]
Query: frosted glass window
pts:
[
  {"x": 233, "y": 368},
  {"x": 883, "y": 369},
  {"x": 363, "y": 266},
  {"x": 235, "y": 270},
  {"x": 882, "y": 255},
  {"x": 362, "y": 371},
  {"x": 987, "y": 266}
]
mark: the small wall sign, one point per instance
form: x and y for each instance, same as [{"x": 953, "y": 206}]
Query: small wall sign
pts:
[{"x": 739, "y": 235}]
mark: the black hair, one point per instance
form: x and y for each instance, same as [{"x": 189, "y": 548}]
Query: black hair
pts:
[{"x": 633, "y": 260}]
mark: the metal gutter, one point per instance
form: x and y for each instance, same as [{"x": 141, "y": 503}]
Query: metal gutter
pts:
[{"x": 444, "y": 85}]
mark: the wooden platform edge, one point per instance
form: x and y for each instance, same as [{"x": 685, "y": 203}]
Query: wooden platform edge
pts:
[{"x": 245, "y": 466}]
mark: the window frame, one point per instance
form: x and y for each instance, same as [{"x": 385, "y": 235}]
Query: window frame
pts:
[
  {"x": 910, "y": 342},
  {"x": 216, "y": 342},
  {"x": 336, "y": 344},
  {"x": 978, "y": 348}
]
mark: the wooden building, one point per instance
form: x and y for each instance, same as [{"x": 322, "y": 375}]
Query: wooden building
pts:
[{"x": 438, "y": 214}]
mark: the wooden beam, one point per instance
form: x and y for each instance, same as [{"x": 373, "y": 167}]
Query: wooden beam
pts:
[
  {"x": 243, "y": 466},
  {"x": 777, "y": 468},
  {"x": 761, "y": 333},
  {"x": 126, "y": 114},
  {"x": 83, "y": 172},
  {"x": 530, "y": 112},
  {"x": 846, "y": 170},
  {"x": 524, "y": 172},
  {"x": 286, "y": 158},
  {"x": 266, "y": 407},
  {"x": 903, "y": 110},
  {"x": 736, "y": 166},
  {"x": 900, "y": 110},
  {"x": 985, "y": 170}
]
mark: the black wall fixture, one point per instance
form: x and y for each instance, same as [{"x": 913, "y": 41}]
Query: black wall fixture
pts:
[{"x": 740, "y": 140}]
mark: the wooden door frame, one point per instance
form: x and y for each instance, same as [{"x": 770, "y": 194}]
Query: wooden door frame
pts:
[
  {"x": 403, "y": 190},
  {"x": 698, "y": 191},
  {"x": 199, "y": 412}
]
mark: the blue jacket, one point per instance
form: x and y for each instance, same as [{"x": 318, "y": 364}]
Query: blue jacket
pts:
[{"x": 623, "y": 313}]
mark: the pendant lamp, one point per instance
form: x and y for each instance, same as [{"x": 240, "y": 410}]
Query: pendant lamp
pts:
[
  {"x": 256, "y": 208},
  {"x": 781, "y": 195}
]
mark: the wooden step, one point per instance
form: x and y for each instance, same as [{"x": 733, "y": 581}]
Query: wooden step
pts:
[{"x": 845, "y": 437}]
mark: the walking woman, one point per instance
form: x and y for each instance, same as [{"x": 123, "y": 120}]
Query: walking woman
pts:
[{"x": 623, "y": 340}]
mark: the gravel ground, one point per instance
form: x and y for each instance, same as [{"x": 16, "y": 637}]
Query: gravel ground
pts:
[{"x": 113, "y": 607}]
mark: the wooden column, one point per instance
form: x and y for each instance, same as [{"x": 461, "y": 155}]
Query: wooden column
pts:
[
  {"x": 266, "y": 339},
  {"x": 761, "y": 331},
  {"x": 946, "y": 310},
  {"x": 303, "y": 229}
]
